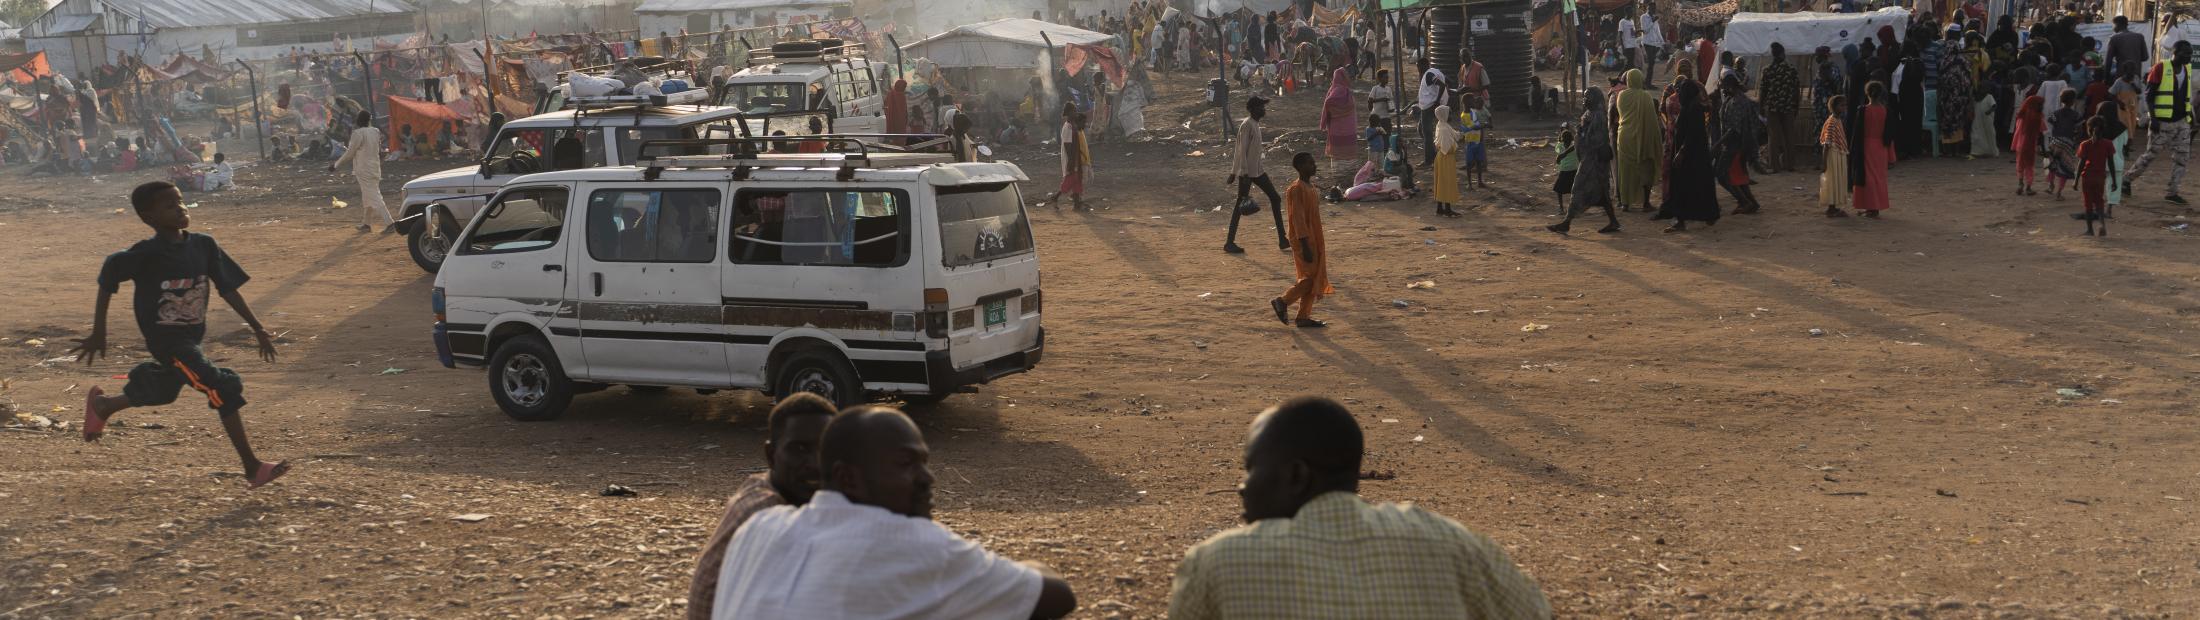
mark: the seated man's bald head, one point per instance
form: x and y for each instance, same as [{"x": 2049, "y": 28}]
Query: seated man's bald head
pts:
[
  {"x": 876, "y": 456},
  {"x": 1299, "y": 450}
]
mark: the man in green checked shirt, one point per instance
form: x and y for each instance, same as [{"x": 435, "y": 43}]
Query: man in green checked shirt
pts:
[{"x": 1314, "y": 549}]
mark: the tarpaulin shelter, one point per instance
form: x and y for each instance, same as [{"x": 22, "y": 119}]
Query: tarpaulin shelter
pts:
[
  {"x": 184, "y": 67},
  {"x": 425, "y": 118},
  {"x": 1012, "y": 43},
  {"x": 25, "y": 68},
  {"x": 1752, "y": 34},
  {"x": 1100, "y": 56}
]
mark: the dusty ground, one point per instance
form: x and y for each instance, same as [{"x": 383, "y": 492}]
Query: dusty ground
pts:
[{"x": 1675, "y": 442}]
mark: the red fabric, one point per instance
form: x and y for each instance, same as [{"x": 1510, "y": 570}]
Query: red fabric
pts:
[
  {"x": 897, "y": 107},
  {"x": 2095, "y": 93},
  {"x": 425, "y": 117},
  {"x": 1871, "y": 193},
  {"x": 1736, "y": 173},
  {"x": 25, "y": 68},
  {"x": 2030, "y": 122},
  {"x": 1079, "y": 55},
  {"x": 2093, "y": 159}
]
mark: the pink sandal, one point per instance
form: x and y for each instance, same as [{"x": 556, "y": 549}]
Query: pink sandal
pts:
[
  {"x": 268, "y": 473},
  {"x": 94, "y": 425}
]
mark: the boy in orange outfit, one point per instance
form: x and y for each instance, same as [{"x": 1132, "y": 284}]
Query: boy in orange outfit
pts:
[{"x": 1309, "y": 252}]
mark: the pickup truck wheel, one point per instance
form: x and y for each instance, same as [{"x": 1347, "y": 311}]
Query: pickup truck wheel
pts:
[
  {"x": 527, "y": 381},
  {"x": 820, "y": 372},
  {"x": 427, "y": 248}
]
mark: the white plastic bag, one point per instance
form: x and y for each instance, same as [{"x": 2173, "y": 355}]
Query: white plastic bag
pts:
[{"x": 592, "y": 86}]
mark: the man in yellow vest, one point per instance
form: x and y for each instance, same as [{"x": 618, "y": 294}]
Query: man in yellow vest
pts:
[{"x": 2171, "y": 96}]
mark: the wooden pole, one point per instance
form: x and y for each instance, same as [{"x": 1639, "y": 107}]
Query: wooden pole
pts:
[{"x": 259, "y": 135}]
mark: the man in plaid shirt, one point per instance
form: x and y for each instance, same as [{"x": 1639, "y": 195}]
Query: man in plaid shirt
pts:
[
  {"x": 1779, "y": 93},
  {"x": 790, "y": 453},
  {"x": 1314, "y": 549}
]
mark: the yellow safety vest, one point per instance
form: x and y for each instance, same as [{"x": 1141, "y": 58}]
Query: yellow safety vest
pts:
[{"x": 2165, "y": 95}]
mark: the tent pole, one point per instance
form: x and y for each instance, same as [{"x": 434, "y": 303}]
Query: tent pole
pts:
[
  {"x": 259, "y": 136},
  {"x": 1398, "y": 81},
  {"x": 366, "y": 70}
]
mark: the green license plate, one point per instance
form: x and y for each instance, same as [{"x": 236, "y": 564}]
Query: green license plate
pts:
[{"x": 996, "y": 313}]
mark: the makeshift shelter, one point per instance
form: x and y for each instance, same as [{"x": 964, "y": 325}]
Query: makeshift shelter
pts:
[
  {"x": 1013, "y": 43},
  {"x": 25, "y": 68},
  {"x": 80, "y": 35},
  {"x": 696, "y": 16},
  {"x": 424, "y": 117},
  {"x": 1752, "y": 34}
]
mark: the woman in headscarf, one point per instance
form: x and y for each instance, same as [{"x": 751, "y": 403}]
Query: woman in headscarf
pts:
[
  {"x": 1339, "y": 122},
  {"x": 1955, "y": 97},
  {"x": 1685, "y": 73},
  {"x": 1639, "y": 144},
  {"x": 1889, "y": 49},
  {"x": 2003, "y": 43},
  {"x": 1909, "y": 103},
  {"x": 1823, "y": 88},
  {"x": 2031, "y": 128},
  {"x": 1833, "y": 184},
  {"x": 1878, "y": 150},
  {"x": 897, "y": 107},
  {"x": 1592, "y": 182},
  {"x": 1446, "y": 167},
  {"x": 1853, "y": 120},
  {"x": 1691, "y": 194},
  {"x": 1735, "y": 151}
]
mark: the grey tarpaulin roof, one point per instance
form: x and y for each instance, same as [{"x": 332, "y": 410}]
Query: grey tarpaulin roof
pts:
[
  {"x": 1011, "y": 43},
  {"x": 212, "y": 13},
  {"x": 70, "y": 24},
  {"x": 685, "y": 6}
]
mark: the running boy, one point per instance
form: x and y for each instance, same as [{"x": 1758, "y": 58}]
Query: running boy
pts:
[{"x": 173, "y": 272}]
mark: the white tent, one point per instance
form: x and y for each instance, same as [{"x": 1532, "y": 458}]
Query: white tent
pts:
[
  {"x": 1220, "y": 7},
  {"x": 1752, "y": 34},
  {"x": 1013, "y": 43}
]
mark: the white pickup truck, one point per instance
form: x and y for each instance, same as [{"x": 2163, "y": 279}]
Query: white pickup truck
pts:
[{"x": 603, "y": 132}]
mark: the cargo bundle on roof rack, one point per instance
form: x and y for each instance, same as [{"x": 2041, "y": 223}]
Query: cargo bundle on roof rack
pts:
[
  {"x": 813, "y": 50},
  {"x": 845, "y": 152}
]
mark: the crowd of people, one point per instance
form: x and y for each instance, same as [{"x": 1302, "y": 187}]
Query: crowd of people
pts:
[{"x": 840, "y": 526}]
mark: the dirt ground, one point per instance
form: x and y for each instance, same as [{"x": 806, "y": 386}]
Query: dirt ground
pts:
[{"x": 1676, "y": 442}]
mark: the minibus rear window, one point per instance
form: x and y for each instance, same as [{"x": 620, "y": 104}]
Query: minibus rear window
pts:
[{"x": 982, "y": 222}]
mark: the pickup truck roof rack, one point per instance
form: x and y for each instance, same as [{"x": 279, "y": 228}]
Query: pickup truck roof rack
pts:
[
  {"x": 809, "y": 50},
  {"x": 848, "y": 153}
]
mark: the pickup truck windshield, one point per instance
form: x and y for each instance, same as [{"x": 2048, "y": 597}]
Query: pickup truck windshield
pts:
[{"x": 765, "y": 97}]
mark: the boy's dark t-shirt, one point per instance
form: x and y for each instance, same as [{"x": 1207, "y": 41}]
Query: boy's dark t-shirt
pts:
[{"x": 174, "y": 280}]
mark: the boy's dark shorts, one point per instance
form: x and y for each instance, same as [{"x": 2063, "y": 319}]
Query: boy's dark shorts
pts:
[
  {"x": 158, "y": 382},
  {"x": 1565, "y": 182}
]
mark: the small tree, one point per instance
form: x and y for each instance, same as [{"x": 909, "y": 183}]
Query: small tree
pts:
[{"x": 20, "y": 12}]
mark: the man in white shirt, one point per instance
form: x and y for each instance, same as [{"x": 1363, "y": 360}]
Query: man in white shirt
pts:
[
  {"x": 1433, "y": 94},
  {"x": 1652, "y": 37},
  {"x": 364, "y": 153},
  {"x": 1629, "y": 44},
  {"x": 866, "y": 546}
]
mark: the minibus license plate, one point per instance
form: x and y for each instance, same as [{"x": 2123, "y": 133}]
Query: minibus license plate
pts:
[{"x": 996, "y": 313}]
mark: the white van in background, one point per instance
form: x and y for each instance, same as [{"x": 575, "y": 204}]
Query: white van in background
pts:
[{"x": 857, "y": 273}]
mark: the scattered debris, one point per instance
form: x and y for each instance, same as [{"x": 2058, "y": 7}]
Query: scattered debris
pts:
[
  {"x": 2074, "y": 392},
  {"x": 1419, "y": 438},
  {"x": 392, "y": 371},
  {"x": 1846, "y": 494},
  {"x": 1815, "y": 332},
  {"x": 1400, "y": 303},
  {"x": 471, "y": 517},
  {"x": 1534, "y": 327},
  {"x": 1383, "y": 474},
  {"x": 1943, "y": 493},
  {"x": 618, "y": 491},
  {"x": 1424, "y": 284},
  {"x": 2079, "y": 502}
]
